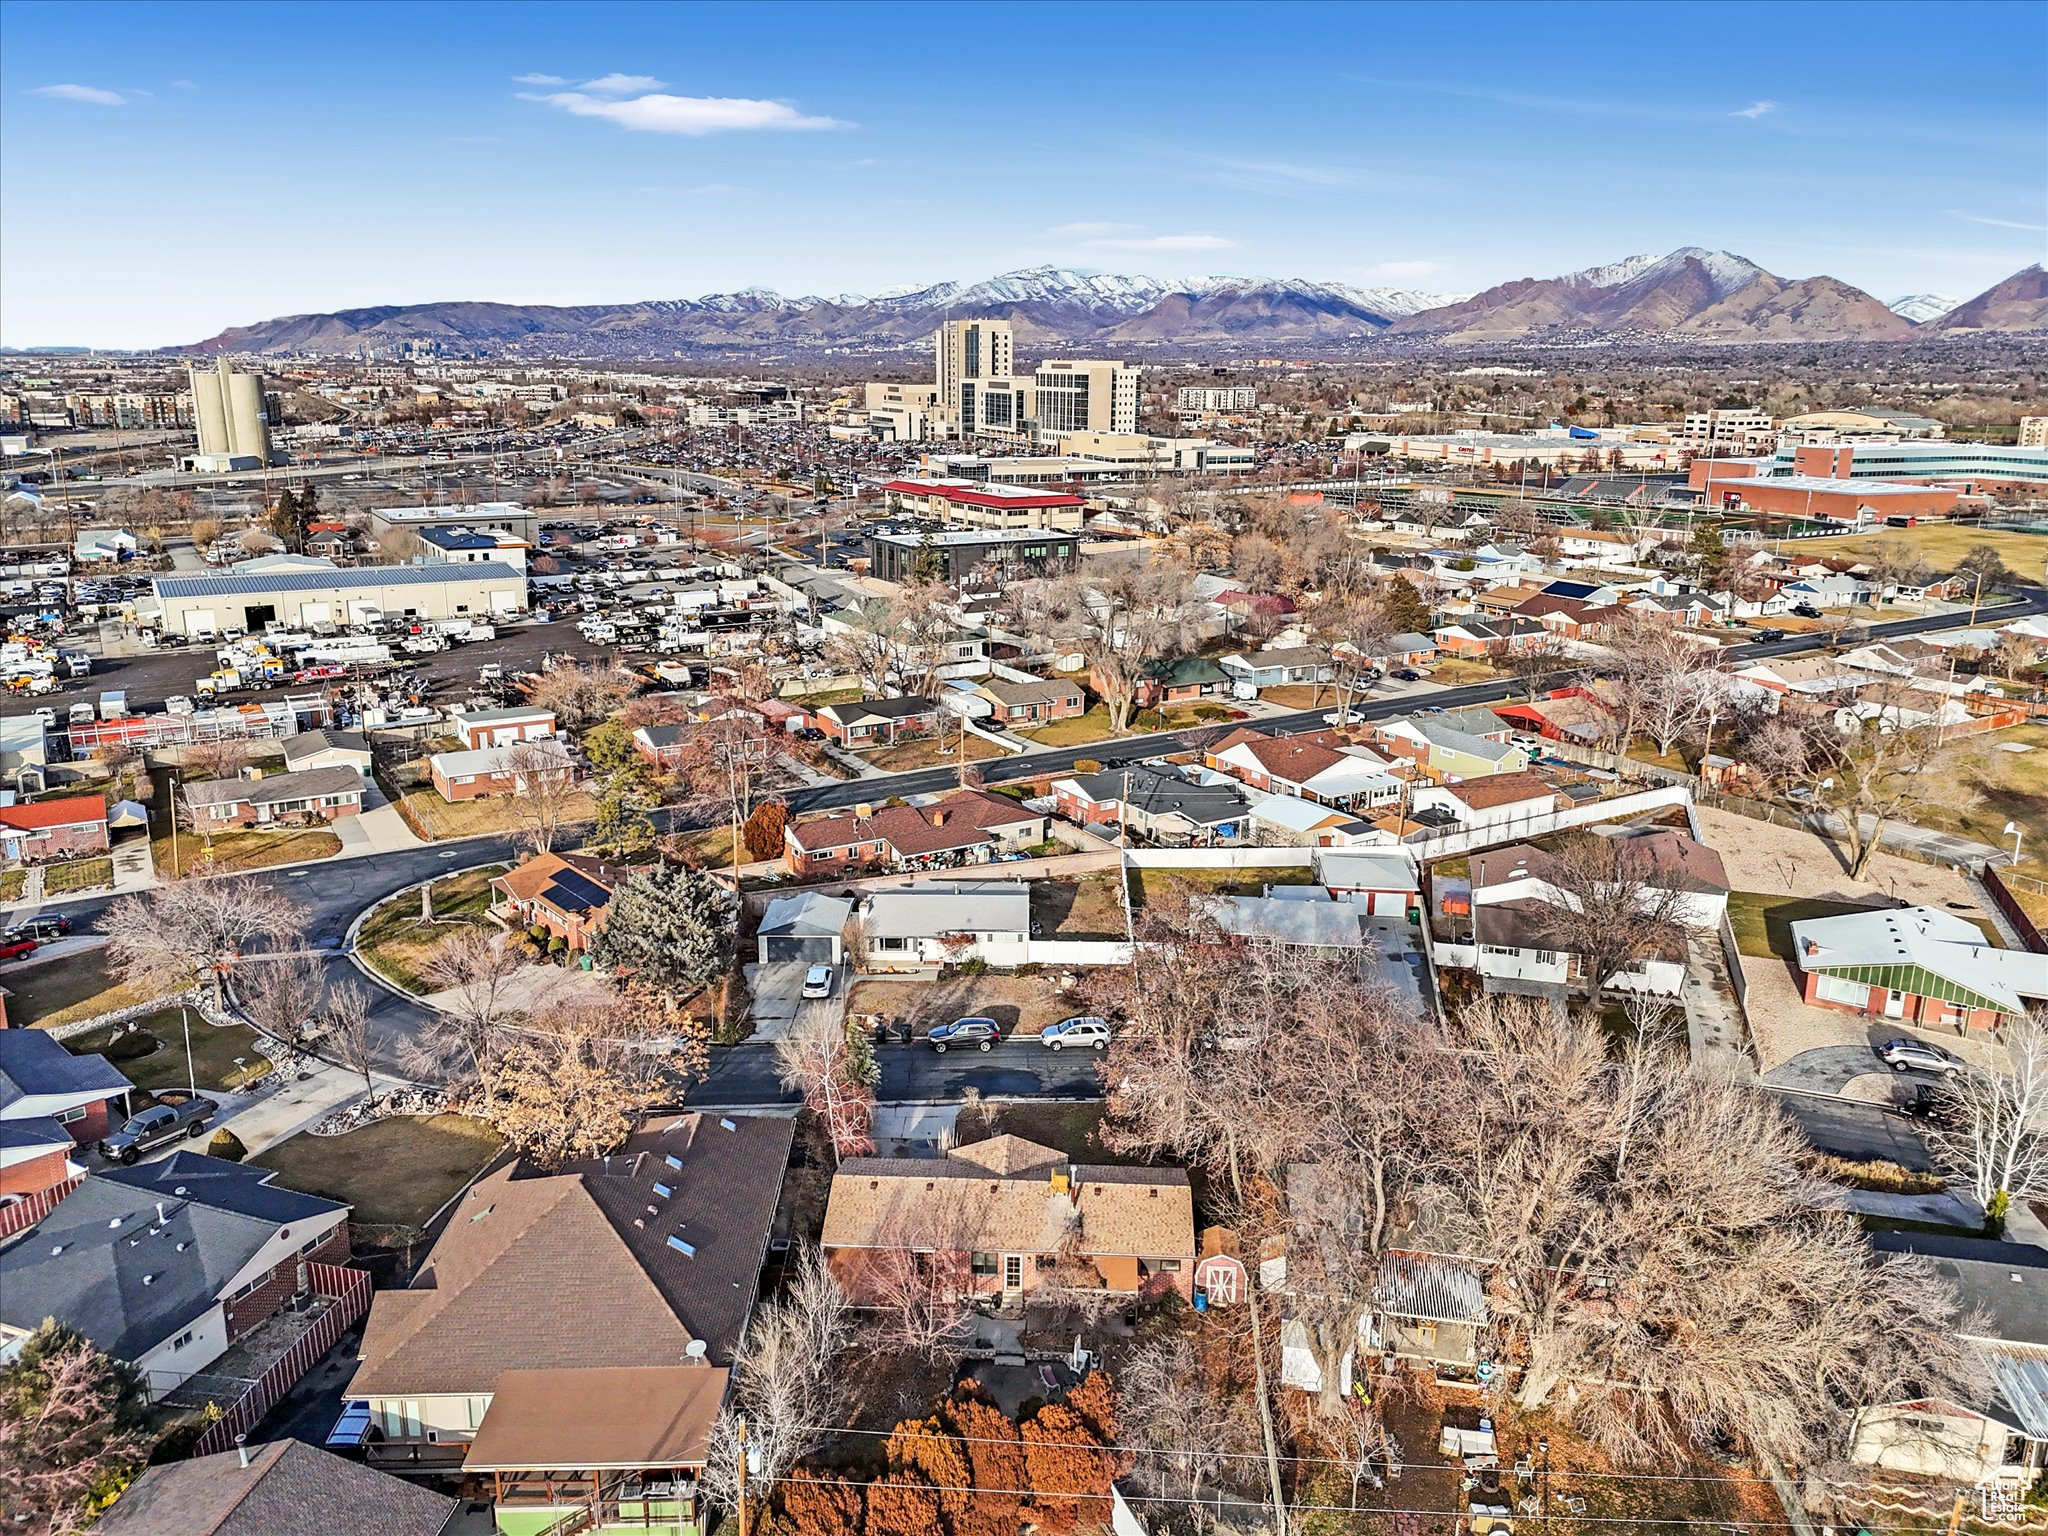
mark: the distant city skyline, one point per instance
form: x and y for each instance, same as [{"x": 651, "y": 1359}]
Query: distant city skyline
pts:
[{"x": 177, "y": 169}]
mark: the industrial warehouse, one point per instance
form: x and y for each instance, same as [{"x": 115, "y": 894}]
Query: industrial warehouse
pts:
[{"x": 212, "y": 605}]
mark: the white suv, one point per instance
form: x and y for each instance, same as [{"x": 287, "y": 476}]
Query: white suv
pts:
[
  {"x": 818, "y": 981},
  {"x": 1077, "y": 1032}
]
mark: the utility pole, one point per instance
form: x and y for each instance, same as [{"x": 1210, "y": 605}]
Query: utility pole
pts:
[{"x": 743, "y": 1477}]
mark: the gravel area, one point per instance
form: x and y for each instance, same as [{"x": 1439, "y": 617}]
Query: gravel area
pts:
[{"x": 1764, "y": 857}]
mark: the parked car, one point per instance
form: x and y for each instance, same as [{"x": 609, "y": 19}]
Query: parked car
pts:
[
  {"x": 174, "y": 1115},
  {"x": 51, "y": 925},
  {"x": 1408, "y": 674},
  {"x": 1904, "y": 1055},
  {"x": 1082, "y": 1032},
  {"x": 818, "y": 981},
  {"x": 16, "y": 949},
  {"x": 1770, "y": 634},
  {"x": 1806, "y": 611},
  {"x": 979, "y": 1033},
  {"x": 354, "y": 1429}
]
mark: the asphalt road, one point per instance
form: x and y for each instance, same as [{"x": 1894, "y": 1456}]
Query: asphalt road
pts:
[{"x": 333, "y": 894}]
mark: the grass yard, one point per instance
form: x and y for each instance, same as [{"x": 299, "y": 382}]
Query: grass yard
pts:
[
  {"x": 226, "y": 852},
  {"x": 710, "y": 847},
  {"x": 396, "y": 1173},
  {"x": 150, "y": 1052},
  {"x": 440, "y": 820},
  {"x": 1021, "y": 1004},
  {"x": 1982, "y": 786},
  {"x": 1942, "y": 545},
  {"x": 931, "y": 752},
  {"x": 1451, "y": 671},
  {"x": 59, "y": 991},
  {"x": 1763, "y": 921},
  {"x": 11, "y": 883},
  {"x": 829, "y": 696},
  {"x": 1083, "y": 908},
  {"x": 394, "y": 943},
  {"x": 1069, "y": 1128},
  {"x": 77, "y": 875},
  {"x": 1075, "y": 731},
  {"x": 1299, "y": 695},
  {"x": 1149, "y": 883}
]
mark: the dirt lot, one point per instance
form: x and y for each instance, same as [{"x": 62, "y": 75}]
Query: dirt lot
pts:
[
  {"x": 1153, "y": 883},
  {"x": 1021, "y": 1004},
  {"x": 1761, "y": 856},
  {"x": 1087, "y": 908}
]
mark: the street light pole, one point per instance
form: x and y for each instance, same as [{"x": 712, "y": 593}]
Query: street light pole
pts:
[{"x": 2014, "y": 831}]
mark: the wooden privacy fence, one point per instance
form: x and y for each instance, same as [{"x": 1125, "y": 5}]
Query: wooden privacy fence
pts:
[
  {"x": 2008, "y": 904},
  {"x": 349, "y": 1290},
  {"x": 30, "y": 1209}
]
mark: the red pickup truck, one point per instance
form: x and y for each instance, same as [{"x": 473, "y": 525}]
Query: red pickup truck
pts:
[{"x": 16, "y": 949}]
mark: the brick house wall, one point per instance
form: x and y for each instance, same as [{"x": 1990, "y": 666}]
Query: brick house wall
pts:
[
  {"x": 474, "y": 786},
  {"x": 866, "y": 1274},
  {"x": 572, "y": 931},
  {"x": 851, "y": 855},
  {"x": 282, "y": 1283},
  {"x": 35, "y": 1175},
  {"x": 243, "y": 814},
  {"x": 1087, "y": 812},
  {"x": 66, "y": 842},
  {"x": 1929, "y": 1013},
  {"x": 96, "y": 1124}
]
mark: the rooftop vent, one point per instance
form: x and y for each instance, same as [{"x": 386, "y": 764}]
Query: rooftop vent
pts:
[
  {"x": 663, "y": 1190},
  {"x": 673, "y": 1161},
  {"x": 682, "y": 1245},
  {"x": 728, "y": 1125}
]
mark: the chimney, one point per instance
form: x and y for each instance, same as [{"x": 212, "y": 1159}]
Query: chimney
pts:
[
  {"x": 242, "y": 1448},
  {"x": 1059, "y": 1181}
]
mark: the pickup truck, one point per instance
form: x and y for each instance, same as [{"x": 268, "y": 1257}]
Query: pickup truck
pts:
[{"x": 173, "y": 1116}]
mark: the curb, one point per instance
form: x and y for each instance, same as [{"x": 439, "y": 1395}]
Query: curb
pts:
[{"x": 348, "y": 938}]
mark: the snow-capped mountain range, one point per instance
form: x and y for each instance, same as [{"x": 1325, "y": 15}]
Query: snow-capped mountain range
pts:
[{"x": 1691, "y": 294}]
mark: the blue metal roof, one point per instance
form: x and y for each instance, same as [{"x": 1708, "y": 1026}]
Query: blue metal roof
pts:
[{"x": 322, "y": 581}]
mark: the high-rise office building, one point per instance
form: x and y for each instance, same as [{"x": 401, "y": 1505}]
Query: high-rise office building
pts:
[
  {"x": 970, "y": 351},
  {"x": 1085, "y": 396},
  {"x": 227, "y": 408}
]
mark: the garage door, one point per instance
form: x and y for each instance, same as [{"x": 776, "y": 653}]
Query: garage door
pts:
[
  {"x": 316, "y": 613},
  {"x": 809, "y": 951}
]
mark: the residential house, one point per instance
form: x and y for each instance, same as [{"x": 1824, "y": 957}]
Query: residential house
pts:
[
  {"x": 165, "y": 1264},
  {"x": 1516, "y": 944},
  {"x": 1565, "y": 714},
  {"x": 328, "y": 749},
  {"x": 1033, "y": 703},
  {"x": 1498, "y": 602},
  {"x": 39, "y": 831},
  {"x": 1384, "y": 884},
  {"x": 1918, "y": 965},
  {"x": 1307, "y": 767},
  {"x": 1184, "y": 680},
  {"x": 43, "y": 1083},
  {"x": 1287, "y": 821},
  {"x": 481, "y": 728},
  {"x": 96, "y": 544},
  {"x": 1481, "y": 637},
  {"x": 1154, "y": 804},
  {"x": 915, "y": 926},
  {"x": 1449, "y": 751},
  {"x": 658, "y": 1247},
  {"x": 1426, "y": 1308},
  {"x": 968, "y": 826},
  {"x": 1815, "y": 676},
  {"x": 501, "y": 770},
  {"x": 1834, "y": 590},
  {"x": 878, "y": 722},
  {"x": 1498, "y": 800},
  {"x": 807, "y": 928},
  {"x": 1002, "y": 1217},
  {"x": 285, "y": 1488},
  {"x": 1997, "y": 1435},
  {"x": 1564, "y": 617},
  {"x": 1287, "y": 667},
  {"x": 1303, "y": 916},
  {"x": 332, "y": 543},
  {"x": 1406, "y": 649},
  {"x": 274, "y": 799},
  {"x": 564, "y": 893}
]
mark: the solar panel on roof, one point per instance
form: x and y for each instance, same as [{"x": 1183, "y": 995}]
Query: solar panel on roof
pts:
[{"x": 569, "y": 888}]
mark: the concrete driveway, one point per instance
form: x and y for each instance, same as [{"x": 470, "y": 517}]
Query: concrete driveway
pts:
[{"x": 778, "y": 1003}]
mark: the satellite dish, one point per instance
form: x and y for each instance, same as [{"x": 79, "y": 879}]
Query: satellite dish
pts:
[{"x": 696, "y": 1349}]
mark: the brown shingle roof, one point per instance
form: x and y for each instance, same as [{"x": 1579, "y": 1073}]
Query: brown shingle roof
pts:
[
  {"x": 963, "y": 819},
  {"x": 521, "y": 1245},
  {"x": 288, "y": 1488},
  {"x": 952, "y": 1205},
  {"x": 1500, "y": 789},
  {"x": 1008, "y": 1154},
  {"x": 631, "y": 1417}
]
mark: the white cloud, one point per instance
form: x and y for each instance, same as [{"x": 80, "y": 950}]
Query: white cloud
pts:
[
  {"x": 1166, "y": 243},
  {"x": 1089, "y": 228},
  {"x": 1756, "y": 109},
  {"x": 1972, "y": 218},
  {"x": 540, "y": 79},
  {"x": 694, "y": 116},
  {"x": 1403, "y": 269},
  {"x": 92, "y": 95},
  {"x": 185, "y": 85},
  {"x": 621, "y": 85}
]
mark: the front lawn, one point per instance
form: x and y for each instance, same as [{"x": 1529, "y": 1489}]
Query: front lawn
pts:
[
  {"x": 398, "y": 946},
  {"x": 395, "y": 1173},
  {"x": 1087, "y": 907},
  {"x": 11, "y": 883},
  {"x": 76, "y": 987},
  {"x": 931, "y": 752},
  {"x": 1450, "y": 671},
  {"x": 76, "y": 875},
  {"x": 439, "y": 820},
  {"x": 1074, "y": 731},
  {"x": 150, "y": 1052}
]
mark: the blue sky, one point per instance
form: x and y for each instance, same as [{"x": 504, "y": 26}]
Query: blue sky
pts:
[{"x": 173, "y": 169}]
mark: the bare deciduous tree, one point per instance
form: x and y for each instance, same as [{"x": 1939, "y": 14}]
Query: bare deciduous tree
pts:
[
  {"x": 582, "y": 693},
  {"x": 787, "y": 1384},
  {"x": 281, "y": 993},
  {"x": 545, "y": 796},
  {"x": 476, "y": 999},
  {"x": 571, "y": 1082},
  {"x": 348, "y": 1028},
  {"x": 1125, "y": 615},
  {"x": 194, "y": 930},
  {"x": 1613, "y": 908},
  {"x": 828, "y": 1061},
  {"x": 1995, "y": 1135}
]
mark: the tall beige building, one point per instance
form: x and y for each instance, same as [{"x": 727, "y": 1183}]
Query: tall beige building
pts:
[
  {"x": 969, "y": 351},
  {"x": 2034, "y": 431},
  {"x": 1085, "y": 396},
  {"x": 227, "y": 408}
]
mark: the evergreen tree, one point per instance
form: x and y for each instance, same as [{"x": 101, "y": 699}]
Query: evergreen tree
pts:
[{"x": 670, "y": 928}]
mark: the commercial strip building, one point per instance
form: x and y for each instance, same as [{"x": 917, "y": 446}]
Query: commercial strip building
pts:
[
  {"x": 1523, "y": 448},
  {"x": 211, "y": 605},
  {"x": 1841, "y": 426},
  {"x": 491, "y": 516},
  {"x": 981, "y": 504},
  {"x": 1016, "y": 554}
]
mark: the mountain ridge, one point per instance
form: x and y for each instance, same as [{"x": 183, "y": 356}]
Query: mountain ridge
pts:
[{"x": 1690, "y": 294}]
